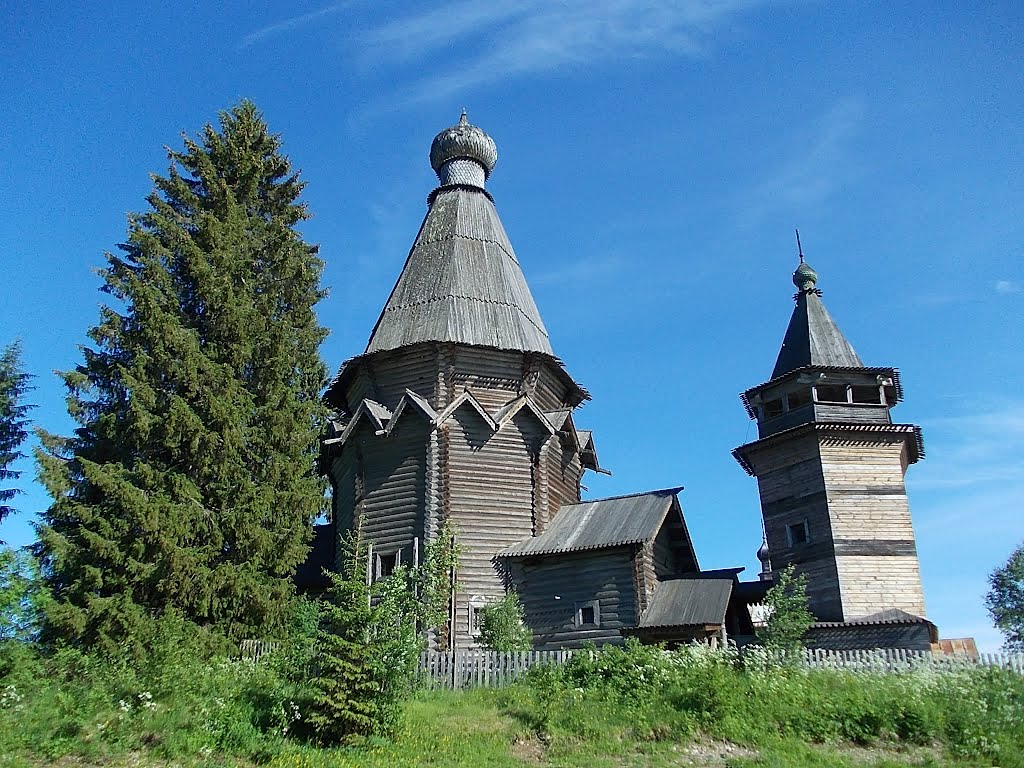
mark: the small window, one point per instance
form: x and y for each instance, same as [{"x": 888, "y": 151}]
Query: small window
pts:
[
  {"x": 476, "y": 620},
  {"x": 799, "y": 533},
  {"x": 830, "y": 393},
  {"x": 798, "y": 399},
  {"x": 588, "y": 614},
  {"x": 867, "y": 395},
  {"x": 386, "y": 564},
  {"x": 773, "y": 408}
]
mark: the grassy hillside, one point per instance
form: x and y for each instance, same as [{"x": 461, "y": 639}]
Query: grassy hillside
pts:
[{"x": 621, "y": 707}]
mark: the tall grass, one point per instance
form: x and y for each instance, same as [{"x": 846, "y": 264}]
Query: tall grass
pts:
[
  {"x": 190, "y": 704},
  {"x": 641, "y": 694}
]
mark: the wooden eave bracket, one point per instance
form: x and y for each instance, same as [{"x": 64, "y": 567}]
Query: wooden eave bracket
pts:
[
  {"x": 412, "y": 402},
  {"x": 368, "y": 409},
  {"x": 467, "y": 398},
  {"x": 510, "y": 409}
]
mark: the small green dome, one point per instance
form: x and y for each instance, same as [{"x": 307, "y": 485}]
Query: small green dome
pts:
[{"x": 805, "y": 278}]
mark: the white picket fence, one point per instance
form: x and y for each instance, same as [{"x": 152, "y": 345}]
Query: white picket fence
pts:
[{"x": 491, "y": 669}]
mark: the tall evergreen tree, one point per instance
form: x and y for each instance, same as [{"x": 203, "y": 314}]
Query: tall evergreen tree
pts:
[
  {"x": 189, "y": 483},
  {"x": 13, "y": 421}
]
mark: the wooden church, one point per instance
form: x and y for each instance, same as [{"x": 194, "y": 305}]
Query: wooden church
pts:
[{"x": 459, "y": 410}]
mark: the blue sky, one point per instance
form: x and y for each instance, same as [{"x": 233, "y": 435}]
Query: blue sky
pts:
[{"x": 654, "y": 159}]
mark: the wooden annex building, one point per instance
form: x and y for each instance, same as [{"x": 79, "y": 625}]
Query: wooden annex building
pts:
[{"x": 459, "y": 410}]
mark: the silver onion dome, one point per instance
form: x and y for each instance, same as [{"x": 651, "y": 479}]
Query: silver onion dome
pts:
[{"x": 462, "y": 142}]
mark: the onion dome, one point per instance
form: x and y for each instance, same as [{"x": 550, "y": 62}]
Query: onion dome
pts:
[
  {"x": 762, "y": 553},
  {"x": 765, "y": 558},
  {"x": 805, "y": 278},
  {"x": 463, "y": 154}
]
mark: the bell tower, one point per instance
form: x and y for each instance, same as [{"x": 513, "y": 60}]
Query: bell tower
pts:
[{"x": 830, "y": 465}]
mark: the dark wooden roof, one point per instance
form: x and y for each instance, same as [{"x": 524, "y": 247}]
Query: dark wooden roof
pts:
[
  {"x": 600, "y": 524},
  {"x": 888, "y": 616},
  {"x": 912, "y": 433},
  {"x": 461, "y": 283},
  {"x": 813, "y": 338},
  {"x": 691, "y": 601}
]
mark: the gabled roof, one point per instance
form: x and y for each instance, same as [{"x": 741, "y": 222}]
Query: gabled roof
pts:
[
  {"x": 461, "y": 283},
  {"x": 686, "y": 602},
  {"x": 600, "y": 524}
]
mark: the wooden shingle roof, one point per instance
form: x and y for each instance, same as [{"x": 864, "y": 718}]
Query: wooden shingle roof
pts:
[
  {"x": 812, "y": 338},
  {"x": 599, "y": 524},
  {"x": 461, "y": 283},
  {"x": 688, "y": 602}
]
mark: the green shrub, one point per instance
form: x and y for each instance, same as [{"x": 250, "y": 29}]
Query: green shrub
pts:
[{"x": 503, "y": 628}]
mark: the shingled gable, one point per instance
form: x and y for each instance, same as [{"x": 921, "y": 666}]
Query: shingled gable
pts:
[
  {"x": 604, "y": 523},
  {"x": 812, "y": 338}
]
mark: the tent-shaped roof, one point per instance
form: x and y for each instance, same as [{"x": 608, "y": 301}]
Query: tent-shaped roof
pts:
[
  {"x": 812, "y": 338},
  {"x": 461, "y": 283},
  {"x": 598, "y": 524}
]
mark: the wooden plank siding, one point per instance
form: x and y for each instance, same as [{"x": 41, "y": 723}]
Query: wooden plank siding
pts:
[
  {"x": 491, "y": 500},
  {"x": 876, "y": 557},
  {"x": 563, "y": 472},
  {"x": 494, "y": 376},
  {"x": 792, "y": 490},
  {"x": 552, "y": 587},
  {"x": 849, "y": 489},
  {"x": 394, "y": 485},
  {"x": 852, "y": 413}
]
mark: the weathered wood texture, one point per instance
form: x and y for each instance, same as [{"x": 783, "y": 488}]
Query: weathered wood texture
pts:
[
  {"x": 491, "y": 501},
  {"x": 498, "y": 487},
  {"x": 792, "y": 490},
  {"x": 394, "y": 478},
  {"x": 915, "y": 637},
  {"x": 562, "y": 471},
  {"x": 860, "y": 556},
  {"x": 553, "y": 588}
]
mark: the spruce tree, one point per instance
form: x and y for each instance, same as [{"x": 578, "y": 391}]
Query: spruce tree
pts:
[
  {"x": 13, "y": 421},
  {"x": 189, "y": 483}
]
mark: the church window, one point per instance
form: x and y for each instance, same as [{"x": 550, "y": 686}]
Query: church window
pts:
[
  {"x": 798, "y": 398},
  {"x": 385, "y": 565},
  {"x": 799, "y": 533},
  {"x": 773, "y": 408},
  {"x": 869, "y": 395},
  {"x": 476, "y": 614},
  {"x": 830, "y": 393},
  {"x": 588, "y": 614}
]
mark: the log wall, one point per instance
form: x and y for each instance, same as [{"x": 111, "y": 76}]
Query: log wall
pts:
[{"x": 552, "y": 588}]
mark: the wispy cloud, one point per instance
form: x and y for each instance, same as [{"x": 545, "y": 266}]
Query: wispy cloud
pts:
[
  {"x": 1007, "y": 286},
  {"x": 975, "y": 450},
  {"x": 292, "y": 23},
  {"x": 486, "y": 42},
  {"x": 967, "y": 496},
  {"x": 818, "y": 160},
  {"x": 464, "y": 44}
]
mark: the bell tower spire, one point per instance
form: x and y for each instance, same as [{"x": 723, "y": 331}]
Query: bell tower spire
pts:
[{"x": 829, "y": 463}]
